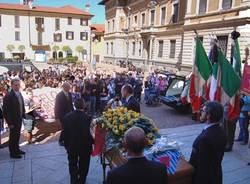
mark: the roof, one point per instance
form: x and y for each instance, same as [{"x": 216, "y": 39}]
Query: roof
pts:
[
  {"x": 103, "y": 2},
  {"x": 98, "y": 28},
  {"x": 64, "y": 9}
]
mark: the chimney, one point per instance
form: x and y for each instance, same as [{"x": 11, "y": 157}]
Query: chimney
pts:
[
  {"x": 30, "y": 3},
  {"x": 87, "y": 7}
]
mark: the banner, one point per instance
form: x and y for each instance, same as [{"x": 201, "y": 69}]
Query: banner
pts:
[
  {"x": 45, "y": 97},
  {"x": 245, "y": 83}
]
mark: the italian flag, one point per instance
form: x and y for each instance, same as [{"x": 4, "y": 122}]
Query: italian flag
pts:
[
  {"x": 226, "y": 85},
  {"x": 202, "y": 69}
]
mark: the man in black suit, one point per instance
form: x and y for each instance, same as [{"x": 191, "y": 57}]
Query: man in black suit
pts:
[
  {"x": 78, "y": 142},
  {"x": 209, "y": 146},
  {"x": 13, "y": 113},
  {"x": 138, "y": 170},
  {"x": 131, "y": 102},
  {"x": 63, "y": 105}
]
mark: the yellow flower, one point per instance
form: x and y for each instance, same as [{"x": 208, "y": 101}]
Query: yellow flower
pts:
[
  {"x": 121, "y": 127},
  {"x": 130, "y": 123}
]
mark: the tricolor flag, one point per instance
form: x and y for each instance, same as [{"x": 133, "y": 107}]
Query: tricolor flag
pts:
[
  {"x": 202, "y": 69},
  {"x": 228, "y": 84},
  {"x": 234, "y": 107}
]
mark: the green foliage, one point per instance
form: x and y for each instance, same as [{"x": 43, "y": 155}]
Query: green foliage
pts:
[
  {"x": 72, "y": 59},
  {"x": 66, "y": 48},
  {"x": 10, "y": 48},
  {"x": 79, "y": 49},
  {"x": 55, "y": 48},
  {"x": 21, "y": 48}
]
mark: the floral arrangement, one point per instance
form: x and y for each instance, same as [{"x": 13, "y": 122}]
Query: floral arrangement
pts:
[{"x": 118, "y": 121}]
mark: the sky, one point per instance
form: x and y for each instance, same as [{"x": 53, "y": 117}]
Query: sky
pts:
[{"x": 95, "y": 9}]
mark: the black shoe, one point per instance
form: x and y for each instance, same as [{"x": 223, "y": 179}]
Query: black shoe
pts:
[
  {"x": 61, "y": 143},
  {"x": 243, "y": 143},
  {"x": 21, "y": 152},
  {"x": 16, "y": 156},
  {"x": 228, "y": 149},
  {"x": 248, "y": 163},
  {"x": 238, "y": 140}
]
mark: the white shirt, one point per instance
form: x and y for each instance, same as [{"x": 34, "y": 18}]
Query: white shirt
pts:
[
  {"x": 127, "y": 99},
  {"x": 208, "y": 125}
]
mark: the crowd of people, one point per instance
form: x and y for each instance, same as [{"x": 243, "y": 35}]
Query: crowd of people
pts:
[{"x": 85, "y": 95}]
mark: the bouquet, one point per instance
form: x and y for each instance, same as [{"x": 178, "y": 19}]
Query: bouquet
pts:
[{"x": 118, "y": 121}]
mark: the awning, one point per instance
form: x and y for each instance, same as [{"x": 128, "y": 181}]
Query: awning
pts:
[{"x": 41, "y": 47}]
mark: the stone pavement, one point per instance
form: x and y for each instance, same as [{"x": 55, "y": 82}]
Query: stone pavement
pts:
[{"x": 47, "y": 163}]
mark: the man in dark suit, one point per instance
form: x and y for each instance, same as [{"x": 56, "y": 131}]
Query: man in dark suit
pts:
[
  {"x": 209, "y": 146},
  {"x": 138, "y": 170},
  {"x": 13, "y": 113},
  {"x": 63, "y": 105},
  {"x": 78, "y": 142},
  {"x": 131, "y": 102}
]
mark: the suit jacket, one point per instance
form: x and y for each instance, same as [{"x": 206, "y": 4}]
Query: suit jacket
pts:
[
  {"x": 207, "y": 155},
  {"x": 11, "y": 109},
  {"x": 138, "y": 171},
  {"x": 77, "y": 136},
  {"x": 133, "y": 104},
  {"x": 63, "y": 105}
]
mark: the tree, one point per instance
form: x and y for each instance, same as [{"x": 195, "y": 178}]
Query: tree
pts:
[
  {"x": 10, "y": 48},
  {"x": 66, "y": 49},
  {"x": 80, "y": 50},
  {"x": 55, "y": 48},
  {"x": 21, "y": 48}
]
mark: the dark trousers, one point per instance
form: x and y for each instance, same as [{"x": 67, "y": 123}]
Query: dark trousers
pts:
[
  {"x": 229, "y": 129},
  {"x": 61, "y": 138},
  {"x": 78, "y": 167},
  {"x": 14, "y": 138},
  {"x": 244, "y": 133}
]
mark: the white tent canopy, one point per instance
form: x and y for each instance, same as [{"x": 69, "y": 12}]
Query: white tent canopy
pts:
[{"x": 3, "y": 70}]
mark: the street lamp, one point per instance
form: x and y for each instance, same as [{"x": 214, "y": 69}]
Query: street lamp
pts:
[{"x": 90, "y": 50}]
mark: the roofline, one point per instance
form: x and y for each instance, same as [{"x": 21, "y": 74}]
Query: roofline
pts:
[{"x": 39, "y": 11}]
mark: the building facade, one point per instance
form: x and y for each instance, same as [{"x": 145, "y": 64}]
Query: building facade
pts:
[
  {"x": 160, "y": 33},
  {"x": 40, "y": 33},
  {"x": 98, "y": 43}
]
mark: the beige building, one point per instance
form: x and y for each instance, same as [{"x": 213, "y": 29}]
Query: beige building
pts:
[
  {"x": 98, "y": 43},
  {"x": 161, "y": 32}
]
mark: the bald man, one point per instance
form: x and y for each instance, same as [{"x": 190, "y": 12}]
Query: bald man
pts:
[
  {"x": 138, "y": 170},
  {"x": 63, "y": 105}
]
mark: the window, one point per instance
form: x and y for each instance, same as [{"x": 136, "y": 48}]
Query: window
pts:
[
  {"x": 84, "y": 36},
  {"x": 84, "y": 22},
  {"x": 140, "y": 49},
  {"x": 112, "y": 47},
  {"x": 160, "y": 51},
  {"x": 172, "y": 48},
  {"x": 226, "y": 4},
  {"x": 69, "y": 20},
  {"x": 202, "y": 7},
  {"x": 58, "y": 37},
  {"x": 17, "y": 21},
  {"x": 69, "y": 35},
  {"x": 39, "y": 21},
  {"x": 40, "y": 38},
  {"x": 133, "y": 52},
  {"x": 107, "y": 44},
  {"x": 108, "y": 26},
  {"x": 223, "y": 40},
  {"x": 0, "y": 20},
  {"x": 113, "y": 24},
  {"x": 17, "y": 36},
  {"x": 152, "y": 17},
  {"x": 143, "y": 19},
  {"x": 129, "y": 22},
  {"x": 175, "y": 13},
  {"x": 135, "y": 20},
  {"x": 163, "y": 15},
  {"x": 57, "y": 24}
]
